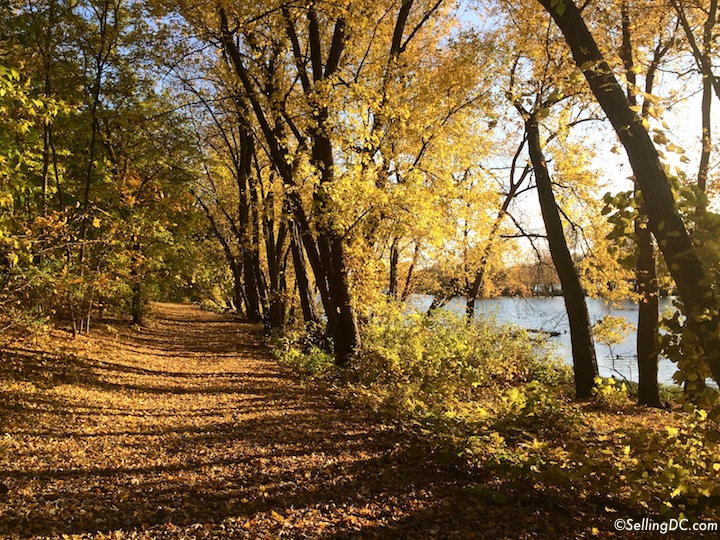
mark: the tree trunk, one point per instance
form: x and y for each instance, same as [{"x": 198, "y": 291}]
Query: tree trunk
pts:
[
  {"x": 47, "y": 54},
  {"x": 307, "y": 302},
  {"x": 479, "y": 280},
  {"x": 95, "y": 91},
  {"x": 251, "y": 289},
  {"x": 407, "y": 288},
  {"x": 137, "y": 306},
  {"x": 648, "y": 315},
  {"x": 645, "y": 274},
  {"x": 347, "y": 339},
  {"x": 707, "y": 74},
  {"x": 238, "y": 293},
  {"x": 692, "y": 280},
  {"x": 583, "y": 348},
  {"x": 322, "y": 245},
  {"x": 394, "y": 260},
  {"x": 472, "y": 292},
  {"x": 248, "y": 242}
]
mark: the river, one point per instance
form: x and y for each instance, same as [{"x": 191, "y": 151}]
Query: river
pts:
[{"x": 548, "y": 314}]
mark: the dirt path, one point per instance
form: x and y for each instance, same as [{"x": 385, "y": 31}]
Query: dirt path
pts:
[{"x": 188, "y": 429}]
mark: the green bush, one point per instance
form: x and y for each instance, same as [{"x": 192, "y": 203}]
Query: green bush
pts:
[
  {"x": 609, "y": 393},
  {"x": 300, "y": 350},
  {"x": 441, "y": 359}
]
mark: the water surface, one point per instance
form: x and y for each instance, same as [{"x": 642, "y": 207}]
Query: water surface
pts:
[{"x": 548, "y": 315}]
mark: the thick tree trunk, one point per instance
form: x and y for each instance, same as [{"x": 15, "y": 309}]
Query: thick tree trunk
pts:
[
  {"x": 276, "y": 271},
  {"x": 136, "y": 308},
  {"x": 645, "y": 274},
  {"x": 343, "y": 324},
  {"x": 137, "y": 303},
  {"x": 276, "y": 307},
  {"x": 307, "y": 302},
  {"x": 251, "y": 287},
  {"x": 691, "y": 278},
  {"x": 238, "y": 293},
  {"x": 347, "y": 341},
  {"x": 648, "y": 314},
  {"x": 583, "y": 348},
  {"x": 247, "y": 241}
]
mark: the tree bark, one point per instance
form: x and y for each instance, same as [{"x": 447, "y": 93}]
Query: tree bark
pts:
[
  {"x": 323, "y": 246},
  {"x": 247, "y": 242},
  {"x": 583, "y": 348},
  {"x": 407, "y": 288},
  {"x": 394, "y": 260},
  {"x": 276, "y": 271},
  {"x": 692, "y": 280},
  {"x": 648, "y": 316},
  {"x": 645, "y": 272},
  {"x": 707, "y": 74},
  {"x": 137, "y": 299},
  {"x": 307, "y": 302}
]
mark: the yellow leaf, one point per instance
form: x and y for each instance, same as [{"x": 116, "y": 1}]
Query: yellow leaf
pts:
[{"x": 276, "y": 516}]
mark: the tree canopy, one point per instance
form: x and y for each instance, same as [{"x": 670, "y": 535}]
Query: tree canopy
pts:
[{"x": 315, "y": 162}]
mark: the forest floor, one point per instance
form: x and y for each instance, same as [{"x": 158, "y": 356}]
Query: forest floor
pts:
[{"x": 187, "y": 428}]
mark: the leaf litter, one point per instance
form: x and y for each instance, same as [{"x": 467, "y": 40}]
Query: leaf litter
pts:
[{"x": 187, "y": 428}]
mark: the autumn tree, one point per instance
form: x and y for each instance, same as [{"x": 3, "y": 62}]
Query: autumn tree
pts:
[
  {"x": 106, "y": 194},
  {"x": 541, "y": 80},
  {"x": 645, "y": 268},
  {"x": 690, "y": 275},
  {"x": 324, "y": 86}
]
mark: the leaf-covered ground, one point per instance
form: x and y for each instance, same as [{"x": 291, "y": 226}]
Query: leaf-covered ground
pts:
[{"x": 187, "y": 428}]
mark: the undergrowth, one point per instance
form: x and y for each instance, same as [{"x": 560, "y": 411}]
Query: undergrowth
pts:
[{"x": 490, "y": 400}]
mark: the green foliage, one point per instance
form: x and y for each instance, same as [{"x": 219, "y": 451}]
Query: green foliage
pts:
[
  {"x": 448, "y": 381},
  {"x": 93, "y": 197},
  {"x": 609, "y": 394},
  {"x": 438, "y": 361},
  {"x": 22, "y": 115},
  {"x": 680, "y": 343},
  {"x": 313, "y": 362},
  {"x": 300, "y": 351}
]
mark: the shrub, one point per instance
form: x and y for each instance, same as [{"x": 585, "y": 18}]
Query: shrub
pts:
[
  {"x": 609, "y": 393},
  {"x": 299, "y": 350}
]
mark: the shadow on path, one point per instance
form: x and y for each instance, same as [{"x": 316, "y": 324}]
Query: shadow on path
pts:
[{"x": 187, "y": 429}]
